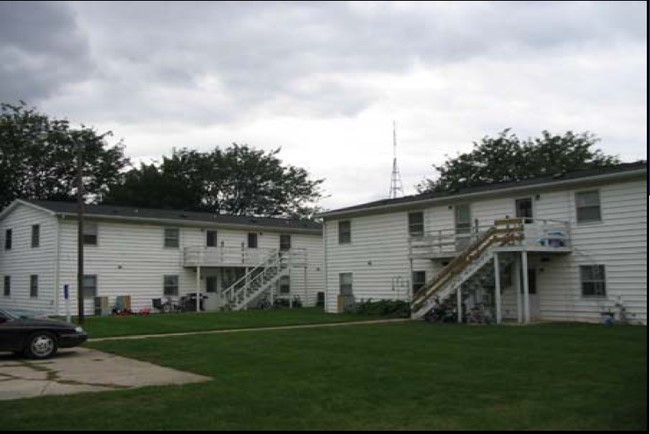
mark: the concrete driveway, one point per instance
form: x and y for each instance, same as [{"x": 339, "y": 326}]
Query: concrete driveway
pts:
[{"x": 80, "y": 369}]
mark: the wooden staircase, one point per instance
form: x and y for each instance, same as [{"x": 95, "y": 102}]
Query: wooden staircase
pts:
[{"x": 475, "y": 256}]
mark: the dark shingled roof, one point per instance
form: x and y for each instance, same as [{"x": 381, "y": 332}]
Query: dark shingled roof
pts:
[
  {"x": 624, "y": 167},
  {"x": 186, "y": 216}
]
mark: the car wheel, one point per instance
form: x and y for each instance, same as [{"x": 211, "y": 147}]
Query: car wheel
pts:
[{"x": 40, "y": 345}]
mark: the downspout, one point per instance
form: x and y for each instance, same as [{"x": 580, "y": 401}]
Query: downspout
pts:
[
  {"x": 325, "y": 307},
  {"x": 57, "y": 257}
]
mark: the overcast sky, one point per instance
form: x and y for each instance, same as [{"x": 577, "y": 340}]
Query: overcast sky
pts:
[{"x": 325, "y": 81}]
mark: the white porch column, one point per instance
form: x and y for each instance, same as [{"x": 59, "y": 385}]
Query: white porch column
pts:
[
  {"x": 459, "y": 301},
  {"x": 198, "y": 289},
  {"x": 518, "y": 285},
  {"x": 524, "y": 269},
  {"x": 497, "y": 288}
]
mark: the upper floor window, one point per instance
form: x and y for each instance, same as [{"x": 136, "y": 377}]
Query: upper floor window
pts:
[
  {"x": 524, "y": 209},
  {"x": 592, "y": 280},
  {"x": 345, "y": 232},
  {"x": 285, "y": 242},
  {"x": 36, "y": 235},
  {"x": 588, "y": 206},
  {"x": 8, "y": 233},
  {"x": 90, "y": 234},
  {"x": 211, "y": 239},
  {"x": 172, "y": 237},
  {"x": 416, "y": 224},
  {"x": 252, "y": 240},
  {"x": 463, "y": 219}
]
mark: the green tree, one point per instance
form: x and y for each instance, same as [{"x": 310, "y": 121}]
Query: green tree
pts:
[
  {"x": 506, "y": 158},
  {"x": 38, "y": 157},
  {"x": 238, "y": 180}
]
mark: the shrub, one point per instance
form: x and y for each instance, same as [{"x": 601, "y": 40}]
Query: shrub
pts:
[{"x": 391, "y": 308}]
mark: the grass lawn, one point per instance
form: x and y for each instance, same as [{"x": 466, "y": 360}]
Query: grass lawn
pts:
[
  {"x": 400, "y": 376},
  {"x": 99, "y": 327}
]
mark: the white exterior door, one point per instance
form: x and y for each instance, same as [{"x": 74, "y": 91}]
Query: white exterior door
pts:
[{"x": 211, "y": 303}]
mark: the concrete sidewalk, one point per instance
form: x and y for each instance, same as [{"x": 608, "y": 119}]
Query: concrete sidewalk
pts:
[
  {"x": 78, "y": 370},
  {"x": 206, "y": 332}
]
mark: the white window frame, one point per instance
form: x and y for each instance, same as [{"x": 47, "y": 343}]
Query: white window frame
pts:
[
  {"x": 583, "y": 281},
  {"x": 344, "y": 287},
  {"x": 345, "y": 236},
  {"x": 167, "y": 238},
  {"x": 174, "y": 285},
  {"x": 418, "y": 226},
  {"x": 90, "y": 291},
  {"x": 91, "y": 230},
  {"x": 578, "y": 207}
]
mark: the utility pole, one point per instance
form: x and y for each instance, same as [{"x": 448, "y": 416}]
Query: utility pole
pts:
[{"x": 80, "y": 233}]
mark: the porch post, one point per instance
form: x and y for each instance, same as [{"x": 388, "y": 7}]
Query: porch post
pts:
[
  {"x": 524, "y": 269},
  {"x": 497, "y": 288},
  {"x": 198, "y": 289},
  {"x": 518, "y": 285},
  {"x": 459, "y": 303}
]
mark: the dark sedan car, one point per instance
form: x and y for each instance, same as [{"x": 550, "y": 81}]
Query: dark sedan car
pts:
[{"x": 37, "y": 338}]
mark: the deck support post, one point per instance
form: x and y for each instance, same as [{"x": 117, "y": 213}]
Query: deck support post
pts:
[
  {"x": 497, "y": 288},
  {"x": 524, "y": 270},
  {"x": 198, "y": 289},
  {"x": 518, "y": 287},
  {"x": 459, "y": 307}
]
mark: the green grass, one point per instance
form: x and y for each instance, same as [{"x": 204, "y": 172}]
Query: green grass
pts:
[
  {"x": 400, "y": 376},
  {"x": 99, "y": 327}
]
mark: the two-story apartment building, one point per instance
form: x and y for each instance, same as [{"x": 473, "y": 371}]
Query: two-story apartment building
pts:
[
  {"x": 149, "y": 254},
  {"x": 564, "y": 247}
]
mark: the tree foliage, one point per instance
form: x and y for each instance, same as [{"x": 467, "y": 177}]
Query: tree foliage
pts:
[
  {"x": 38, "y": 157},
  {"x": 238, "y": 180},
  {"x": 506, "y": 158}
]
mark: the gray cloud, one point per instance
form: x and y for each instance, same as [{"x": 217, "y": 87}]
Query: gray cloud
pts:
[{"x": 41, "y": 50}]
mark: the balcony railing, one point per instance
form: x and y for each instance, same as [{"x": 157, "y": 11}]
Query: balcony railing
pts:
[
  {"x": 202, "y": 256},
  {"x": 539, "y": 234}
]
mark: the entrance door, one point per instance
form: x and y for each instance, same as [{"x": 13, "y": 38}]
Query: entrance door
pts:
[
  {"x": 533, "y": 299},
  {"x": 211, "y": 303}
]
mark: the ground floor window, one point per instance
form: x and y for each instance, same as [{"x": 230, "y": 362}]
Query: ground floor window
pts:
[
  {"x": 592, "y": 279},
  {"x": 7, "y": 287},
  {"x": 33, "y": 285},
  {"x": 285, "y": 285},
  {"x": 419, "y": 278},
  {"x": 170, "y": 285},
  {"x": 90, "y": 285},
  {"x": 345, "y": 283}
]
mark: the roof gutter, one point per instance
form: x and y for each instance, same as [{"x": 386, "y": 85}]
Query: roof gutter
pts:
[
  {"x": 194, "y": 223},
  {"x": 453, "y": 198}
]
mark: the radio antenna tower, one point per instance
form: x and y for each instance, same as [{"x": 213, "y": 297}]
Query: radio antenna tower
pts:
[{"x": 396, "y": 189}]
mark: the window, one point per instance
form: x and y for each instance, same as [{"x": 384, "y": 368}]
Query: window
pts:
[
  {"x": 284, "y": 285},
  {"x": 90, "y": 234},
  {"x": 588, "y": 206},
  {"x": 524, "y": 209},
  {"x": 252, "y": 240},
  {"x": 345, "y": 283},
  {"x": 463, "y": 219},
  {"x": 33, "y": 285},
  {"x": 211, "y": 239},
  {"x": 419, "y": 279},
  {"x": 7, "y": 287},
  {"x": 345, "y": 233},
  {"x": 592, "y": 279},
  {"x": 36, "y": 235},
  {"x": 416, "y": 224},
  {"x": 285, "y": 242},
  {"x": 171, "y": 237},
  {"x": 211, "y": 284},
  {"x": 90, "y": 285},
  {"x": 8, "y": 239},
  {"x": 170, "y": 283}
]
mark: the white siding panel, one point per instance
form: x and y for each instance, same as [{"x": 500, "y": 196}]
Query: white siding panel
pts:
[{"x": 22, "y": 260}]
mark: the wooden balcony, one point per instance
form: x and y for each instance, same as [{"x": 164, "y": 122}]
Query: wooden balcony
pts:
[
  {"x": 538, "y": 235},
  {"x": 201, "y": 256}
]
